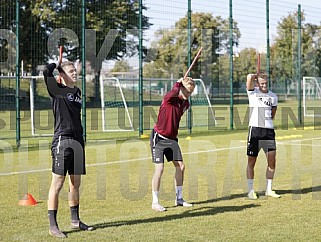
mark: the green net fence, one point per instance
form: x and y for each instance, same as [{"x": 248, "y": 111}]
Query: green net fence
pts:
[{"x": 106, "y": 34}]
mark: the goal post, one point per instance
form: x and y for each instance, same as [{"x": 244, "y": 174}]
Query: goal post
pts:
[
  {"x": 210, "y": 108},
  {"x": 311, "y": 95},
  {"x": 33, "y": 81},
  {"x": 112, "y": 99},
  {"x": 35, "y": 114},
  {"x": 120, "y": 100}
]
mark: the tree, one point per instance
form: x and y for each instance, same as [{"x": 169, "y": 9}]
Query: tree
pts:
[
  {"x": 40, "y": 18},
  {"x": 169, "y": 51},
  {"x": 283, "y": 45},
  {"x": 121, "y": 66},
  {"x": 312, "y": 57},
  {"x": 105, "y": 17},
  {"x": 284, "y": 52},
  {"x": 244, "y": 63},
  {"x": 31, "y": 35}
]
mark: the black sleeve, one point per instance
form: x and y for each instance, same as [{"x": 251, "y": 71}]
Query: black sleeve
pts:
[
  {"x": 50, "y": 80},
  {"x": 48, "y": 71}
]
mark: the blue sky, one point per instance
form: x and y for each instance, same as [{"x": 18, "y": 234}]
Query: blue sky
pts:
[{"x": 250, "y": 15}]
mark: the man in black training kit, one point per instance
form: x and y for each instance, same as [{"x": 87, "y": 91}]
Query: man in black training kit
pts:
[{"x": 67, "y": 150}]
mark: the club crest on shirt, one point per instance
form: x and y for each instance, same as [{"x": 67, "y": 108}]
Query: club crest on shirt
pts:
[{"x": 70, "y": 97}]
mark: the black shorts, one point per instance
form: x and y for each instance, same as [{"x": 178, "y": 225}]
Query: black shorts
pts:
[
  {"x": 260, "y": 138},
  {"x": 161, "y": 146},
  {"x": 68, "y": 154}
]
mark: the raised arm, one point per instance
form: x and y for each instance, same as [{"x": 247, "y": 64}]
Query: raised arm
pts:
[
  {"x": 174, "y": 92},
  {"x": 48, "y": 70},
  {"x": 250, "y": 81}
]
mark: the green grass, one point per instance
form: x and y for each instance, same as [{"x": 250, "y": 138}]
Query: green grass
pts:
[{"x": 116, "y": 192}]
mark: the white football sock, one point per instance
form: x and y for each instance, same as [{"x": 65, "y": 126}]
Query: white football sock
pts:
[
  {"x": 155, "y": 196},
  {"x": 250, "y": 184},
  {"x": 269, "y": 185},
  {"x": 179, "y": 192}
]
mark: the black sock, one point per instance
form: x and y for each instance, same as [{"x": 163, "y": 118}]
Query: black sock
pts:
[
  {"x": 74, "y": 211},
  {"x": 52, "y": 215},
  {"x": 85, "y": 227}
]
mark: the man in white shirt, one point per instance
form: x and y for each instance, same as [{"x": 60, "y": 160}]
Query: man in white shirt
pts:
[{"x": 263, "y": 105}]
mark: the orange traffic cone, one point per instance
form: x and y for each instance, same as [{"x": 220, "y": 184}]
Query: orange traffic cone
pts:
[{"x": 27, "y": 200}]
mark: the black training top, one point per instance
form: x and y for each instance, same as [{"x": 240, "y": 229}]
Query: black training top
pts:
[{"x": 66, "y": 105}]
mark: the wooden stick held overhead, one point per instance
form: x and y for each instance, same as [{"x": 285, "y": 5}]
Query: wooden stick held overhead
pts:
[
  {"x": 60, "y": 52},
  {"x": 60, "y": 60},
  {"x": 258, "y": 63},
  {"x": 194, "y": 61}
]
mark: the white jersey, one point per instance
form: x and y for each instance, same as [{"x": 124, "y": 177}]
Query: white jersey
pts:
[{"x": 261, "y": 108}]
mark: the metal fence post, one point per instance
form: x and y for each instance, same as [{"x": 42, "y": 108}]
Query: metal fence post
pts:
[{"x": 18, "y": 135}]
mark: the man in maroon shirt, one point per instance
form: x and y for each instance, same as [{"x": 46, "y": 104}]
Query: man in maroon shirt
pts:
[{"x": 164, "y": 140}]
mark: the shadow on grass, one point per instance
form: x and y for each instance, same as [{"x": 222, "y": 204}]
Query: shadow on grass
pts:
[
  {"x": 294, "y": 191},
  {"x": 233, "y": 196},
  {"x": 189, "y": 213},
  {"x": 300, "y": 191}
]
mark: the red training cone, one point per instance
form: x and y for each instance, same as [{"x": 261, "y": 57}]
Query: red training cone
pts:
[{"x": 27, "y": 200}]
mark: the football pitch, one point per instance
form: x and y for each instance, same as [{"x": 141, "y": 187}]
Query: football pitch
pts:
[{"x": 116, "y": 192}]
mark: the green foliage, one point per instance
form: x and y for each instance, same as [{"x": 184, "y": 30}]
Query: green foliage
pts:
[
  {"x": 283, "y": 44},
  {"x": 170, "y": 49},
  {"x": 38, "y": 19},
  {"x": 243, "y": 63},
  {"x": 285, "y": 50},
  {"x": 121, "y": 66}
]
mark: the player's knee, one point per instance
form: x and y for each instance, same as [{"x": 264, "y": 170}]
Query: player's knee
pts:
[
  {"x": 271, "y": 168},
  {"x": 271, "y": 164},
  {"x": 56, "y": 187},
  {"x": 74, "y": 186},
  {"x": 181, "y": 166},
  {"x": 251, "y": 162},
  {"x": 159, "y": 170}
]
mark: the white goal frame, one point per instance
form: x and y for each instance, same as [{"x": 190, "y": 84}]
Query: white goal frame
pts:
[
  {"x": 103, "y": 111},
  {"x": 32, "y": 106},
  {"x": 200, "y": 83},
  {"x": 208, "y": 99},
  {"x": 315, "y": 90},
  {"x": 32, "y": 101},
  {"x": 102, "y": 100}
]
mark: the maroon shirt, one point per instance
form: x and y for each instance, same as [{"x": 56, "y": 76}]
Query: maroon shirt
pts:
[{"x": 170, "y": 113}]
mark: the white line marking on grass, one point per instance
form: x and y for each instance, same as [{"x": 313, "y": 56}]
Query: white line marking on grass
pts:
[
  {"x": 119, "y": 161},
  {"x": 147, "y": 158},
  {"x": 299, "y": 140},
  {"x": 23, "y": 172},
  {"x": 297, "y": 144},
  {"x": 288, "y": 136}
]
